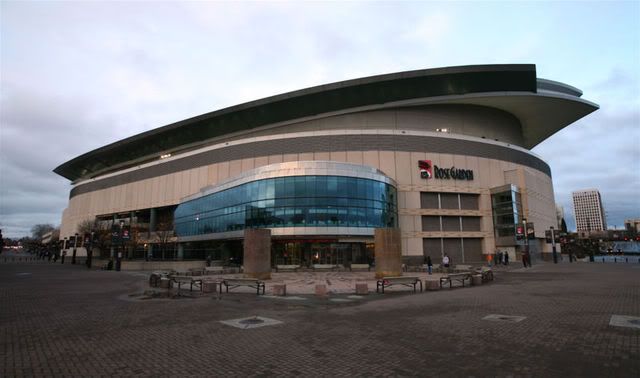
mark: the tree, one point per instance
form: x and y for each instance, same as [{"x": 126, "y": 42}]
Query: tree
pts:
[
  {"x": 38, "y": 231},
  {"x": 164, "y": 234}
]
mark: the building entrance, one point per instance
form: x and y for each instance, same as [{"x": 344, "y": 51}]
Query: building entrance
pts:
[{"x": 309, "y": 252}]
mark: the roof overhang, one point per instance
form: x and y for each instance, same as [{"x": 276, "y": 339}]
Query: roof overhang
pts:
[{"x": 542, "y": 106}]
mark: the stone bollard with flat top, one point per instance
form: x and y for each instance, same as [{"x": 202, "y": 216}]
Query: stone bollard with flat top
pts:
[
  {"x": 209, "y": 287},
  {"x": 432, "y": 285},
  {"x": 321, "y": 290},
  {"x": 279, "y": 290},
  {"x": 362, "y": 289}
]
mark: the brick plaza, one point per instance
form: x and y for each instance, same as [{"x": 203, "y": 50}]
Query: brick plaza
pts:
[{"x": 62, "y": 320}]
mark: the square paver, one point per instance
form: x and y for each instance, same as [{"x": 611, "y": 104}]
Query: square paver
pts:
[
  {"x": 504, "y": 318},
  {"x": 625, "y": 321},
  {"x": 251, "y": 322}
]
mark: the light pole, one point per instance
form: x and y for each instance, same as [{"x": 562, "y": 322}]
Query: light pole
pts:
[
  {"x": 553, "y": 246},
  {"x": 526, "y": 259},
  {"x": 90, "y": 250},
  {"x": 64, "y": 251},
  {"x": 75, "y": 243},
  {"x": 119, "y": 254}
]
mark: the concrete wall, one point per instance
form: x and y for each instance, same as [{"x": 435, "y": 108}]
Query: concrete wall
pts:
[{"x": 402, "y": 166}]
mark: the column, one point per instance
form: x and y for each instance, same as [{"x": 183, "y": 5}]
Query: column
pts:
[
  {"x": 257, "y": 253},
  {"x": 388, "y": 252}
]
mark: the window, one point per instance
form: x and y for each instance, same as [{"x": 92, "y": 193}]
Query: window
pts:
[
  {"x": 430, "y": 223},
  {"x": 429, "y": 200}
]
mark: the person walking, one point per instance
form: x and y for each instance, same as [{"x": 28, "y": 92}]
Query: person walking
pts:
[
  {"x": 429, "y": 264},
  {"x": 446, "y": 261},
  {"x": 506, "y": 258},
  {"x": 64, "y": 254}
]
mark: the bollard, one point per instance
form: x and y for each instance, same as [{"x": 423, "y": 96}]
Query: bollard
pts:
[{"x": 615, "y": 259}]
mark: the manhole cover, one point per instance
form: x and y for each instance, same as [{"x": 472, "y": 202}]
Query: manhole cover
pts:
[
  {"x": 251, "y": 322},
  {"x": 504, "y": 318},
  {"x": 625, "y": 321}
]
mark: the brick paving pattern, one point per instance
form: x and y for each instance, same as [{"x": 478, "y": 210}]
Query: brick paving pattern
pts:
[{"x": 62, "y": 320}]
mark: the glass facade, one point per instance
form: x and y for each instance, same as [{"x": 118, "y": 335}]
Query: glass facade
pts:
[
  {"x": 506, "y": 204},
  {"x": 291, "y": 201}
]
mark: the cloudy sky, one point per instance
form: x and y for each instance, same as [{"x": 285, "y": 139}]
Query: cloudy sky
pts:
[{"x": 79, "y": 75}]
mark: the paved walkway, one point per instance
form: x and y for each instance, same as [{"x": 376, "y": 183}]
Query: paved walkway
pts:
[{"x": 62, "y": 320}]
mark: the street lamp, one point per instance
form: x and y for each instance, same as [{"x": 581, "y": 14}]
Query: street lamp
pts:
[
  {"x": 64, "y": 251},
  {"x": 526, "y": 259},
  {"x": 119, "y": 255},
  {"x": 553, "y": 246},
  {"x": 90, "y": 250},
  {"x": 75, "y": 243}
]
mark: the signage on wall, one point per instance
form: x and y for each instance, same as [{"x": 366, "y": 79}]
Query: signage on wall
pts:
[{"x": 428, "y": 170}]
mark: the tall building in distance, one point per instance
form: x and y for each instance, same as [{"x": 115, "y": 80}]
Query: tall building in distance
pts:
[{"x": 588, "y": 210}]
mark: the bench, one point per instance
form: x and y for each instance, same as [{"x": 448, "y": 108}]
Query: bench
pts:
[
  {"x": 195, "y": 271},
  {"x": 324, "y": 267},
  {"x": 390, "y": 281},
  {"x": 287, "y": 268},
  {"x": 248, "y": 282},
  {"x": 487, "y": 273},
  {"x": 460, "y": 277},
  {"x": 213, "y": 270},
  {"x": 462, "y": 268},
  {"x": 183, "y": 280},
  {"x": 360, "y": 267}
]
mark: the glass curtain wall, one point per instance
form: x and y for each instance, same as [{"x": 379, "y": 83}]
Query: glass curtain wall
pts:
[
  {"x": 293, "y": 201},
  {"x": 506, "y": 204}
]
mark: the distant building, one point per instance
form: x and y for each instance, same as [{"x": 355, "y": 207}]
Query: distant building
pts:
[
  {"x": 559, "y": 215},
  {"x": 588, "y": 211},
  {"x": 632, "y": 225}
]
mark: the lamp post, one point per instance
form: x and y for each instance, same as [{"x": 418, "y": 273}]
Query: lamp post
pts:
[
  {"x": 119, "y": 254},
  {"x": 90, "y": 250},
  {"x": 553, "y": 246},
  {"x": 75, "y": 243},
  {"x": 64, "y": 251},
  {"x": 526, "y": 259}
]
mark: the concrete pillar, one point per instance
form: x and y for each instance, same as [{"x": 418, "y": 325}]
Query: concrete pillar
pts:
[
  {"x": 388, "y": 252},
  {"x": 257, "y": 253},
  {"x": 152, "y": 220},
  {"x": 180, "y": 251}
]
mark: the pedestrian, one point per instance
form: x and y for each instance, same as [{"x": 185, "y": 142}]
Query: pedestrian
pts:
[
  {"x": 209, "y": 260},
  {"x": 429, "y": 264},
  {"x": 64, "y": 253},
  {"x": 524, "y": 258},
  {"x": 506, "y": 258},
  {"x": 446, "y": 261},
  {"x": 496, "y": 256}
]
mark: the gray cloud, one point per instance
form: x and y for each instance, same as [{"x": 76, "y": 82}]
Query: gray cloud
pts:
[{"x": 76, "y": 76}]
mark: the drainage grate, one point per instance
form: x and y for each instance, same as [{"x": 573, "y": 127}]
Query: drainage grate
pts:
[
  {"x": 625, "y": 321},
  {"x": 250, "y": 322},
  {"x": 504, "y": 318}
]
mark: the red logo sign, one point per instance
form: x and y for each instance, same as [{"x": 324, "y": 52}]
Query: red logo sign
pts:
[{"x": 425, "y": 169}]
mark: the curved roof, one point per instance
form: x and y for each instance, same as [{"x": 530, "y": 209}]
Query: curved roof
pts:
[{"x": 542, "y": 106}]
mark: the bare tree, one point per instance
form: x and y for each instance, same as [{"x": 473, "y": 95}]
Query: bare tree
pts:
[{"x": 38, "y": 231}]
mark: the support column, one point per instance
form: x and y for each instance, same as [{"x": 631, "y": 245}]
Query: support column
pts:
[
  {"x": 180, "y": 251},
  {"x": 388, "y": 252},
  {"x": 153, "y": 215},
  {"x": 257, "y": 253}
]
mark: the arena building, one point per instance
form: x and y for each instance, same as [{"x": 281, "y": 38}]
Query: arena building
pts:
[{"x": 441, "y": 154}]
